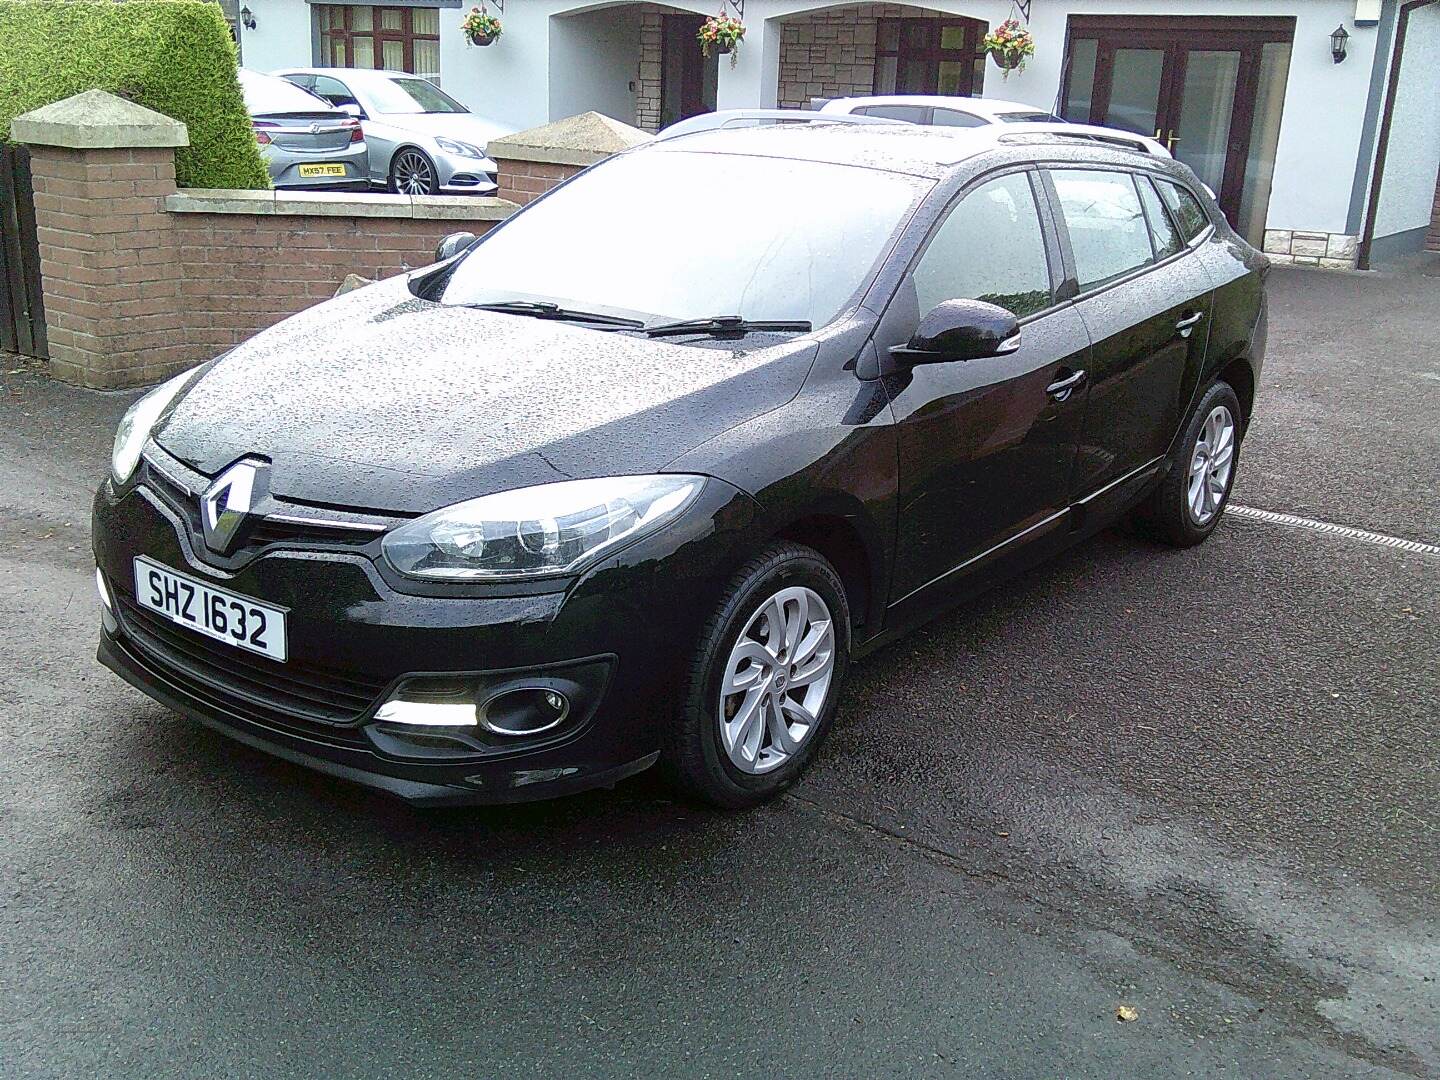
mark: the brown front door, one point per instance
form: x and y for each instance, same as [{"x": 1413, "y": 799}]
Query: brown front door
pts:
[
  {"x": 687, "y": 78},
  {"x": 1210, "y": 89}
]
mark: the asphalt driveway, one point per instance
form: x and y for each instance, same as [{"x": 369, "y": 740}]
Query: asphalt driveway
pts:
[{"x": 1203, "y": 784}]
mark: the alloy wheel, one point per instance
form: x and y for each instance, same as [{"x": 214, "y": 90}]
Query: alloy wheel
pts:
[
  {"x": 774, "y": 684},
  {"x": 1210, "y": 465},
  {"x": 414, "y": 175}
]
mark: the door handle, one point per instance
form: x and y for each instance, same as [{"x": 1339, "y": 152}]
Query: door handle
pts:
[
  {"x": 1061, "y": 389},
  {"x": 1186, "y": 326}
]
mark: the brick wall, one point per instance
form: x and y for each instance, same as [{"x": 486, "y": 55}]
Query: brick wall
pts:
[
  {"x": 524, "y": 181},
  {"x": 110, "y": 279},
  {"x": 240, "y": 273},
  {"x": 141, "y": 281},
  {"x": 1432, "y": 239},
  {"x": 831, "y": 53},
  {"x": 648, "y": 100}
]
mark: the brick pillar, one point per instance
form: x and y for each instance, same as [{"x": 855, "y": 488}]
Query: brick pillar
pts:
[
  {"x": 532, "y": 162},
  {"x": 102, "y": 168}
]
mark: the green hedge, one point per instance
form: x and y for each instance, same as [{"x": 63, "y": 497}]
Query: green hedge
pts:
[{"x": 173, "y": 56}]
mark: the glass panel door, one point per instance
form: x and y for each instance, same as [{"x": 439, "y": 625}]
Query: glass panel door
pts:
[
  {"x": 1207, "y": 105},
  {"x": 1136, "y": 79},
  {"x": 1264, "y": 137}
]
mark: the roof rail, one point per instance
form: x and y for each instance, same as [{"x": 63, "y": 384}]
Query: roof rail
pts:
[{"x": 1112, "y": 137}]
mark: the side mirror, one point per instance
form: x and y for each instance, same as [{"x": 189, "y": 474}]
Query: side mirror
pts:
[
  {"x": 961, "y": 330},
  {"x": 453, "y": 245},
  {"x": 350, "y": 108}
]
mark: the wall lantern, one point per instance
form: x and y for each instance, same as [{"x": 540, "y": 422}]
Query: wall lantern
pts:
[
  {"x": 247, "y": 18},
  {"x": 1338, "y": 41}
]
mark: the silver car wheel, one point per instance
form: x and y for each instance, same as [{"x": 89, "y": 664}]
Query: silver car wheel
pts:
[
  {"x": 774, "y": 684},
  {"x": 1210, "y": 465},
  {"x": 414, "y": 175}
]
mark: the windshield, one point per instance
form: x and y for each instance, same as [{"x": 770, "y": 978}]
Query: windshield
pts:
[
  {"x": 675, "y": 235},
  {"x": 409, "y": 96}
]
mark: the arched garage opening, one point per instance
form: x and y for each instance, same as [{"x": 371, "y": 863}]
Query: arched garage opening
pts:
[
  {"x": 861, "y": 49},
  {"x": 635, "y": 62}
]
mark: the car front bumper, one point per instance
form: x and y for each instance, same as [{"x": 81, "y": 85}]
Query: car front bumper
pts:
[
  {"x": 356, "y": 635},
  {"x": 458, "y": 175}
]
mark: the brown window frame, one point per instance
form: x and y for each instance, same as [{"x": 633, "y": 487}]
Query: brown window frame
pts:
[
  {"x": 406, "y": 35},
  {"x": 931, "y": 53}
]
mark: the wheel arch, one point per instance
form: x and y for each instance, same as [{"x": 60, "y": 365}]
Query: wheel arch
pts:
[
  {"x": 1241, "y": 376},
  {"x": 855, "y": 556}
]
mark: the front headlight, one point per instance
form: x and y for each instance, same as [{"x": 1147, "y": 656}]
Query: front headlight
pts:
[
  {"x": 539, "y": 531},
  {"x": 136, "y": 424},
  {"x": 464, "y": 149}
]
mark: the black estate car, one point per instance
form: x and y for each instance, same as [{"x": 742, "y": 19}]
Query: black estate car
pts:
[{"x": 634, "y": 477}]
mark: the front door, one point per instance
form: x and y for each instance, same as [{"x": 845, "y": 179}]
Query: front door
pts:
[
  {"x": 986, "y": 446},
  {"x": 688, "y": 79},
  {"x": 1210, "y": 89}
]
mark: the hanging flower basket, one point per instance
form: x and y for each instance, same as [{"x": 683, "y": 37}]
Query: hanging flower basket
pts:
[
  {"x": 481, "y": 27},
  {"x": 722, "y": 35},
  {"x": 1009, "y": 45}
]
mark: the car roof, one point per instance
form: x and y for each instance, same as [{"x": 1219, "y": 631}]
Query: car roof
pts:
[
  {"x": 350, "y": 74},
  {"x": 903, "y": 148},
  {"x": 978, "y": 106}
]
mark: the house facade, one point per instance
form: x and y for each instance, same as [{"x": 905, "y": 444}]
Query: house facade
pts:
[{"x": 1322, "y": 161}]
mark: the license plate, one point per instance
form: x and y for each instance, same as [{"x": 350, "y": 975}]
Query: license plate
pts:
[
  {"x": 216, "y": 613},
  {"x": 322, "y": 170}
]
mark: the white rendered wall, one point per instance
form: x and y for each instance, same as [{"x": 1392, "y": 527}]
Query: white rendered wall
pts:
[{"x": 1407, "y": 189}]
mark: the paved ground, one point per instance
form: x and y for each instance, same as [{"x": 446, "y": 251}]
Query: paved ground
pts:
[{"x": 1203, "y": 784}]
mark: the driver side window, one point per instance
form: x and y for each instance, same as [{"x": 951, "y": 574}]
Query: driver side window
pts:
[
  {"x": 334, "y": 91},
  {"x": 990, "y": 247}
]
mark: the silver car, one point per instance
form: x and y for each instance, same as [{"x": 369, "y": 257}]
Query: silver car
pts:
[
  {"x": 422, "y": 141},
  {"x": 305, "y": 142}
]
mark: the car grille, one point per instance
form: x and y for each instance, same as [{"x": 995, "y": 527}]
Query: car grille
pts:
[
  {"x": 332, "y": 530},
  {"x": 292, "y": 695}
]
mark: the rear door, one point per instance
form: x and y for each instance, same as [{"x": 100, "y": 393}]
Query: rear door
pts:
[{"x": 1145, "y": 301}]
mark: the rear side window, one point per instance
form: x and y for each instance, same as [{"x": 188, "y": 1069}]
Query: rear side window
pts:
[
  {"x": 989, "y": 248},
  {"x": 1108, "y": 233},
  {"x": 956, "y": 118},
  {"x": 1188, "y": 212},
  {"x": 1162, "y": 230},
  {"x": 915, "y": 114}
]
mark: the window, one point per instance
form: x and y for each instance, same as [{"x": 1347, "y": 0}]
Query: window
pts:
[
  {"x": 1029, "y": 118},
  {"x": 990, "y": 248},
  {"x": 401, "y": 95},
  {"x": 1108, "y": 234},
  {"x": 333, "y": 91},
  {"x": 914, "y": 114},
  {"x": 364, "y": 36},
  {"x": 956, "y": 118},
  {"x": 929, "y": 56},
  {"x": 1188, "y": 212},
  {"x": 1162, "y": 230}
]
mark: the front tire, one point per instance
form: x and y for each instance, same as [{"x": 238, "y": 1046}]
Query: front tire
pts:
[
  {"x": 413, "y": 173},
  {"x": 762, "y": 691},
  {"x": 1185, "y": 509}
]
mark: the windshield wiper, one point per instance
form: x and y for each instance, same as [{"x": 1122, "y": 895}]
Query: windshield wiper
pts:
[
  {"x": 726, "y": 324},
  {"x": 544, "y": 309}
]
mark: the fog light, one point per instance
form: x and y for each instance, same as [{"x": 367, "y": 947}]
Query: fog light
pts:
[{"x": 527, "y": 711}]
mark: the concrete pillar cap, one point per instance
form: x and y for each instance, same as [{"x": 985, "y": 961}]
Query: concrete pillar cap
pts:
[
  {"x": 576, "y": 140},
  {"x": 97, "y": 120}
]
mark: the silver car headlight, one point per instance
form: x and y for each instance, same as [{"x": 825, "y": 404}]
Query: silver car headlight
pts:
[
  {"x": 542, "y": 531},
  {"x": 462, "y": 149},
  {"x": 137, "y": 423}
]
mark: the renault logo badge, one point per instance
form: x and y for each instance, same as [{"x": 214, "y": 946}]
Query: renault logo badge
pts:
[{"x": 230, "y": 500}]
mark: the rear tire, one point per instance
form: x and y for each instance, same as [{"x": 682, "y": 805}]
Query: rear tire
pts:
[
  {"x": 762, "y": 691},
  {"x": 1187, "y": 506}
]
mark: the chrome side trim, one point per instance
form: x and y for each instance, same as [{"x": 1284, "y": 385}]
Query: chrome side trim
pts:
[
  {"x": 985, "y": 554},
  {"x": 1153, "y": 463}
]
